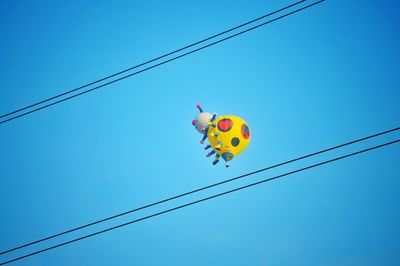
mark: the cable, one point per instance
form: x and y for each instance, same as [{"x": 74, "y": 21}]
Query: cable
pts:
[
  {"x": 148, "y": 68},
  {"x": 199, "y": 189},
  {"x": 151, "y": 60},
  {"x": 201, "y": 200}
]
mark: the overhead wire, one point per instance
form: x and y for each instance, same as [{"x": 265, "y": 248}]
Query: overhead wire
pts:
[
  {"x": 201, "y": 200},
  {"x": 201, "y": 189},
  {"x": 153, "y": 66},
  {"x": 151, "y": 60}
]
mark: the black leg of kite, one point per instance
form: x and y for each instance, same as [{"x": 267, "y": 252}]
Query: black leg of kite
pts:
[
  {"x": 210, "y": 153},
  {"x": 216, "y": 160}
]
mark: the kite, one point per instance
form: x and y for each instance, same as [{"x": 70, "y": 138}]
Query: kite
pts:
[{"x": 227, "y": 135}]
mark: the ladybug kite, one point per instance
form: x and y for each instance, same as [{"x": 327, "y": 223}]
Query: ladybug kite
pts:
[{"x": 228, "y": 135}]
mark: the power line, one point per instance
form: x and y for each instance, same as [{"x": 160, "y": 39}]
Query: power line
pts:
[
  {"x": 199, "y": 189},
  {"x": 151, "y": 60},
  {"x": 151, "y": 67},
  {"x": 201, "y": 200}
]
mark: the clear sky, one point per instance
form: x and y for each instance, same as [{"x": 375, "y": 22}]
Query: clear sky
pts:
[{"x": 313, "y": 80}]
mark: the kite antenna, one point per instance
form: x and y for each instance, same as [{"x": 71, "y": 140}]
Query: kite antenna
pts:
[{"x": 198, "y": 106}]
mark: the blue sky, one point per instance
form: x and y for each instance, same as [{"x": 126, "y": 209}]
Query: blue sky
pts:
[{"x": 316, "y": 79}]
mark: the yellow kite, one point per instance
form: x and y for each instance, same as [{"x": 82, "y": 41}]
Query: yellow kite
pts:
[{"x": 228, "y": 135}]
